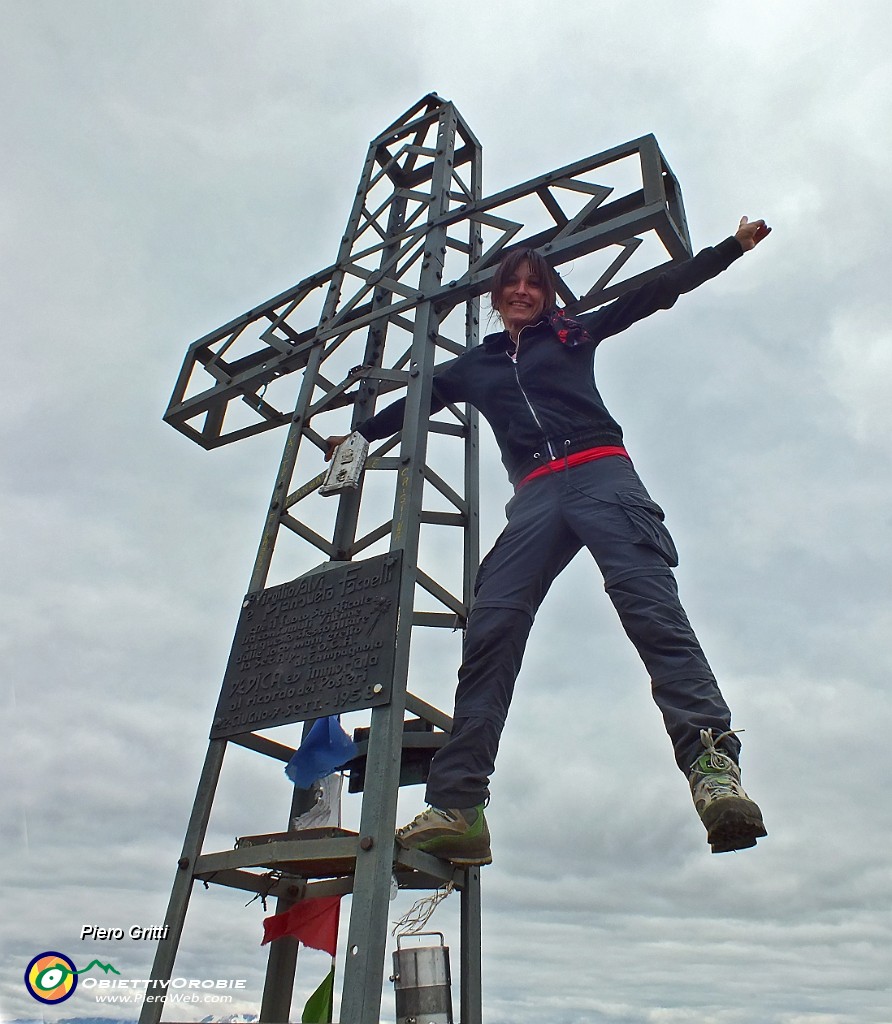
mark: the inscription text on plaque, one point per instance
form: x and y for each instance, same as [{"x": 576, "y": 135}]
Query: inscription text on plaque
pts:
[{"x": 319, "y": 645}]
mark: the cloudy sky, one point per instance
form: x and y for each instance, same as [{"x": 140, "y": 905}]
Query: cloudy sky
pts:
[{"x": 167, "y": 166}]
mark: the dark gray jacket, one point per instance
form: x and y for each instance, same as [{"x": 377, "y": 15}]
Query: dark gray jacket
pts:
[{"x": 546, "y": 404}]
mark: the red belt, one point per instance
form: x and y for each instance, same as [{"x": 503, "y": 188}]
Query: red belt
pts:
[{"x": 576, "y": 459}]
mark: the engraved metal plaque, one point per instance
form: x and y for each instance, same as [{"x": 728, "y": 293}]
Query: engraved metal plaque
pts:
[{"x": 319, "y": 645}]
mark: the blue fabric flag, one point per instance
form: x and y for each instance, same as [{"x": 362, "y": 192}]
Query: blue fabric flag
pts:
[{"x": 325, "y": 748}]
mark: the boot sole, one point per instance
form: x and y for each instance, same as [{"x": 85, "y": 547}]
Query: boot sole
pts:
[
  {"x": 733, "y": 824},
  {"x": 469, "y": 862}
]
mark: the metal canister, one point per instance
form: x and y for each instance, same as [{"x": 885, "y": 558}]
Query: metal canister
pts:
[{"x": 423, "y": 983}]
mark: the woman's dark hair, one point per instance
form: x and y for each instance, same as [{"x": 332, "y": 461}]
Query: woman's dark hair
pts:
[{"x": 508, "y": 267}]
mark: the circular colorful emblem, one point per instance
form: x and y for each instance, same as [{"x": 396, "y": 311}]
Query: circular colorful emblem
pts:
[{"x": 51, "y": 977}]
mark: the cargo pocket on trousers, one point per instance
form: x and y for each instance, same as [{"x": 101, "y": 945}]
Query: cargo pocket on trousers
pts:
[{"x": 647, "y": 517}]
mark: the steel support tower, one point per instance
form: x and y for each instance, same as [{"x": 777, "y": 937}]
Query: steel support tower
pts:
[{"x": 402, "y": 298}]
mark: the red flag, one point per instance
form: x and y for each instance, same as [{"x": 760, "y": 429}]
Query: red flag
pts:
[{"x": 314, "y": 922}]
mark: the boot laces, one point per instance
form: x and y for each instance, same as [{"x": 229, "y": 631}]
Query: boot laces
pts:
[
  {"x": 428, "y": 814},
  {"x": 719, "y": 776},
  {"x": 717, "y": 759}
]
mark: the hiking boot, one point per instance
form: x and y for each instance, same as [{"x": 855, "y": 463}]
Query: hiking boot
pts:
[
  {"x": 732, "y": 820},
  {"x": 459, "y": 836}
]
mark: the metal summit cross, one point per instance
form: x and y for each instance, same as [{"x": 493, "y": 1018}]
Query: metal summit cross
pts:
[{"x": 341, "y": 590}]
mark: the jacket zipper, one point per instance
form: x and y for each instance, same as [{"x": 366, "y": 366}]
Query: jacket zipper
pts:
[{"x": 513, "y": 359}]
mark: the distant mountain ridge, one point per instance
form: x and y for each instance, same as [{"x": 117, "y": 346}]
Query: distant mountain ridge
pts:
[
  {"x": 76, "y": 1020},
  {"x": 232, "y": 1018}
]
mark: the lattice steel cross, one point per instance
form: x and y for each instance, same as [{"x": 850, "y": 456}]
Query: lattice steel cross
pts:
[
  {"x": 378, "y": 279},
  {"x": 420, "y": 247}
]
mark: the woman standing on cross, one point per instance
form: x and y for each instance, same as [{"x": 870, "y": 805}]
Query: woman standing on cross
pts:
[{"x": 575, "y": 486}]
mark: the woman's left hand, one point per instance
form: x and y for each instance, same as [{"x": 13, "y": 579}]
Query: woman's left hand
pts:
[{"x": 751, "y": 232}]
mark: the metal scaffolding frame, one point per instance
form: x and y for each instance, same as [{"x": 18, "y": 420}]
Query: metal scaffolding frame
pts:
[{"x": 420, "y": 247}]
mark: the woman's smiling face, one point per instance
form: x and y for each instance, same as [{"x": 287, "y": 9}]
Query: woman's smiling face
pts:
[{"x": 522, "y": 300}]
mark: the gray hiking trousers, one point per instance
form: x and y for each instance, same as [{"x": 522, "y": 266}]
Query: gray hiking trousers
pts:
[{"x": 601, "y": 505}]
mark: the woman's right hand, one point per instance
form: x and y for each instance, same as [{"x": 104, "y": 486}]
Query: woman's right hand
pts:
[{"x": 332, "y": 444}]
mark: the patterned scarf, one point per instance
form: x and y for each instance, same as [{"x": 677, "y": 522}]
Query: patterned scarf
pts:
[{"x": 568, "y": 331}]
